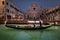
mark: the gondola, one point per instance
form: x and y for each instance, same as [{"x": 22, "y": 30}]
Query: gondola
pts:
[{"x": 28, "y": 27}]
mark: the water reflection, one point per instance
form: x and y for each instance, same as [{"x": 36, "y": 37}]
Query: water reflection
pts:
[
  {"x": 37, "y": 35},
  {"x": 14, "y": 34},
  {"x": 23, "y": 36},
  {"x": 29, "y": 35}
]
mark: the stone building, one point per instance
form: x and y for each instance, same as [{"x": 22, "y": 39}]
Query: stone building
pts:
[
  {"x": 53, "y": 14},
  {"x": 2, "y": 9},
  {"x": 8, "y": 10},
  {"x": 34, "y": 12},
  {"x": 13, "y": 11}
]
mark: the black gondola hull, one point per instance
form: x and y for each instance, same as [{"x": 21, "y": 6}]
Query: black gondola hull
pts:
[{"x": 32, "y": 28}]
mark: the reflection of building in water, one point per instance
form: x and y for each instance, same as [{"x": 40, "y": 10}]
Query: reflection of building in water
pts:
[
  {"x": 11, "y": 10},
  {"x": 34, "y": 12}
]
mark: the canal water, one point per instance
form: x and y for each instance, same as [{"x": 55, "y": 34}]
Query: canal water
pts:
[{"x": 52, "y": 33}]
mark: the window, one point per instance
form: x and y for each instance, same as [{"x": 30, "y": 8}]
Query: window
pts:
[
  {"x": 7, "y": 3},
  {"x": 33, "y": 8},
  {"x": 7, "y": 10},
  {"x": 12, "y": 12},
  {"x": 20, "y": 17},
  {"x": 11, "y": 6},
  {"x": 8, "y": 17},
  {"x": 3, "y": 2},
  {"x": 28, "y": 17}
]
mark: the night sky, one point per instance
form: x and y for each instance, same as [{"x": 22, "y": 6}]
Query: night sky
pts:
[{"x": 24, "y": 4}]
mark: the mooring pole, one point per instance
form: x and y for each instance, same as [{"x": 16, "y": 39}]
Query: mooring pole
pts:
[{"x": 40, "y": 24}]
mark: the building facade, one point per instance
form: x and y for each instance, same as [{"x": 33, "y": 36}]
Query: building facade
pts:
[
  {"x": 2, "y": 9},
  {"x": 9, "y": 11},
  {"x": 53, "y": 14},
  {"x": 13, "y": 11},
  {"x": 34, "y": 12}
]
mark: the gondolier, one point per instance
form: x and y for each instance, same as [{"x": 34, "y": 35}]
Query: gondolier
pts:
[{"x": 41, "y": 23}]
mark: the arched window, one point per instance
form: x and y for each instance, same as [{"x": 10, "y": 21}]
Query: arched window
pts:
[
  {"x": 3, "y": 2},
  {"x": 7, "y": 3},
  {"x": 8, "y": 17},
  {"x": 7, "y": 10},
  {"x": 34, "y": 8}
]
